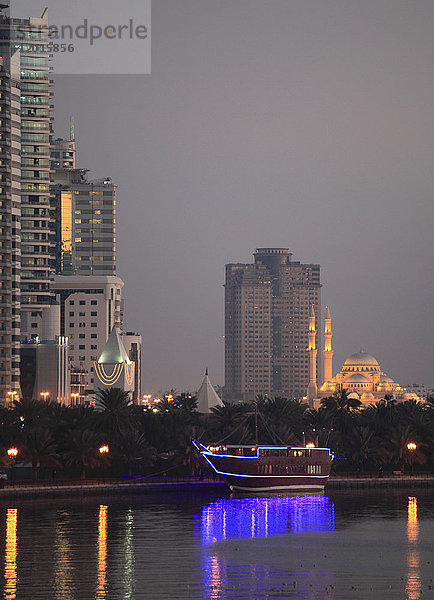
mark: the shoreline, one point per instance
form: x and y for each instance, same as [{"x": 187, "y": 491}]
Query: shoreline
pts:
[{"x": 100, "y": 487}]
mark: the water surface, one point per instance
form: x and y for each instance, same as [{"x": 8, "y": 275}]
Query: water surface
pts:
[{"x": 209, "y": 545}]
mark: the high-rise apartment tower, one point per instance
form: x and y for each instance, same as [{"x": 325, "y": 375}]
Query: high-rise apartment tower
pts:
[
  {"x": 31, "y": 38},
  {"x": 85, "y": 212},
  {"x": 267, "y": 309},
  {"x": 10, "y": 213}
]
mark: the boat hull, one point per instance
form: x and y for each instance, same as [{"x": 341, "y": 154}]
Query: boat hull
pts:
[
  {"x": 269, "y": 468},
  {"x": 272, "y": 484}
]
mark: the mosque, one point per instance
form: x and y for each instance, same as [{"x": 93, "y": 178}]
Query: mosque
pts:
[{"x": 361, "y": 375}]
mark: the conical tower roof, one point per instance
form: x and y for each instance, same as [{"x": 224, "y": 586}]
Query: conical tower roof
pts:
[
  {"x": 207, "y": 397},
  {"x": 114, "y": 350}
]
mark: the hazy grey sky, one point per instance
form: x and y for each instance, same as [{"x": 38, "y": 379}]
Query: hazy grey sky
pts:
[{"x": 298, "y": 123}]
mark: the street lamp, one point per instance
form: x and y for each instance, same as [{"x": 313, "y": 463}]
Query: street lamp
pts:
[
  {"x": 44, "y": 395},
  {"x": 411, "y": 447},
  {"x": 12, "y": 453},
  {"x": 104, "y": 450},
  {"x": 12, "y": 394},
  {"x": 74, "y": 396}
]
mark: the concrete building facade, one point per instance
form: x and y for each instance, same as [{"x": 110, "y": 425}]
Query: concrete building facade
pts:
[
  {"x": 31, "y": 37},
  {"x": 89, "y": 309},
  {"x": 10, "y": 233},
  {"x": 85, "y": 212},
  {"x": 45, "y": 373},
  {"x": 267, "y": 308}
]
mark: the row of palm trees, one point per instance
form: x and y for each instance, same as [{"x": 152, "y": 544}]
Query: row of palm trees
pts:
[{"x": 144, "y": 441}]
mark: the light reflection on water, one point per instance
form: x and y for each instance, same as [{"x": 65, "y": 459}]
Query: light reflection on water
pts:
[
  {"x": 263, "y": 516},
  {"x": 191, "y": 546},
  {"x": 413, "y": 579},
  {"x": 10, "y": 589},
  {"x": 102, "y": 553},
  {"x": 63, "y": 574},
  {"x": 237, "y": 518}
]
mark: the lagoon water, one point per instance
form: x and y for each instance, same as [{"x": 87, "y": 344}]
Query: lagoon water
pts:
[{"x": 206, "y": 544}]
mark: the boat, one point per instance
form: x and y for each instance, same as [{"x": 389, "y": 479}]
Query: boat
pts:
[{"x": 258, "y": 468}]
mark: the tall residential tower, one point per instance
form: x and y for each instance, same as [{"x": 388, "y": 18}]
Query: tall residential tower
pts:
[
  {"x": 267, "y": 308},
  {"x": 85, "y": 211},
  {"x": 10, "y": 215},
  {"x": 31, "y": 37}
]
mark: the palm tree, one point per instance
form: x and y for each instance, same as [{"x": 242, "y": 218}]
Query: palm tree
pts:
[
  {"x": 29, "y": 412},
  {"x": 398, "y": 451},
  {"x": 115, "y": 416},
  {"x": 186, "y": 401},
  {"x": 83, "y": 451},
  {"x": 226, "y": 422},
  {"x": 185, "y": 454},
  {"x": 359, "y": 445},
  {"x": 133, "y": 448},
  {"x": 39, "y": 449},
  {"x": 282, "y": 415},
  {"x": 340, "y": 407}
]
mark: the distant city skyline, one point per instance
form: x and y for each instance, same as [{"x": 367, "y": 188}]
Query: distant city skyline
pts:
[{"x": 284, "y": 124}]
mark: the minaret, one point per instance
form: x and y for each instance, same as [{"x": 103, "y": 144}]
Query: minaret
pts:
[
  {"x": 312, "y": 390},
  {"x": 328, "y": 352}
]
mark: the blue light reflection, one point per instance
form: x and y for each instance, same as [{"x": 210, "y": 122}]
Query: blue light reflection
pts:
[
  {"x": 264, "y": 516},
  {"x": 254, "y": 517}
]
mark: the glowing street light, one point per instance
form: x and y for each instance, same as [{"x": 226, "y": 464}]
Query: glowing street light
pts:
[
  {"x": 13, "y": 453},
  {"x": 75, "y": 395},
  {"x": 411, "y": 447},
  {"x": 12, "y": 394},
  {"x": 146, "y": 398},
  {"x": 44, "y": 395},
  {"x": 104, "y": 450},
  {"x": 310, "y": 445}
]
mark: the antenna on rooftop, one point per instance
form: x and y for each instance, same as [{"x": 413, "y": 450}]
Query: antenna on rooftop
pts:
[{"x": 71, "y": 129}]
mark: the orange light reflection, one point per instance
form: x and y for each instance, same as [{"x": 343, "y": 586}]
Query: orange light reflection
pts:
[
  {"x": 11, "y": 555},
  {"x": 101, "y": 591},
  {"x": 413, "y": 587}
]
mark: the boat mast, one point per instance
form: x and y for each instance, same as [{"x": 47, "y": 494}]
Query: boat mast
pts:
[{"x": 256, "y": 423}]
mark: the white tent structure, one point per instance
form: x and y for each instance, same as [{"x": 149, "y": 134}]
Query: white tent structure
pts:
[{"x": 207, "y": 397}]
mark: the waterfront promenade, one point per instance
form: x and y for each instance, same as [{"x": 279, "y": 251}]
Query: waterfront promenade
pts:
[{"x": 144, "y": 485}]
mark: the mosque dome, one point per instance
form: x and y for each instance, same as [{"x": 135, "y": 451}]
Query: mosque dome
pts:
[
  {"x": 356, "y": 378},
  {"x": 361, "y": 361},
  {"x": 386, "y": 379},
  {"x": 368, "y": 397}
]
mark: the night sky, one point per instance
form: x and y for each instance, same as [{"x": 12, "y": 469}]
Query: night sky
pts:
[{"x": 305, "y": 124}]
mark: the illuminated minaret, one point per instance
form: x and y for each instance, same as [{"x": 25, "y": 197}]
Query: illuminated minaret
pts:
[
  {"x": 328, "y": 352},
  {"x": 312, "y": 389}
]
